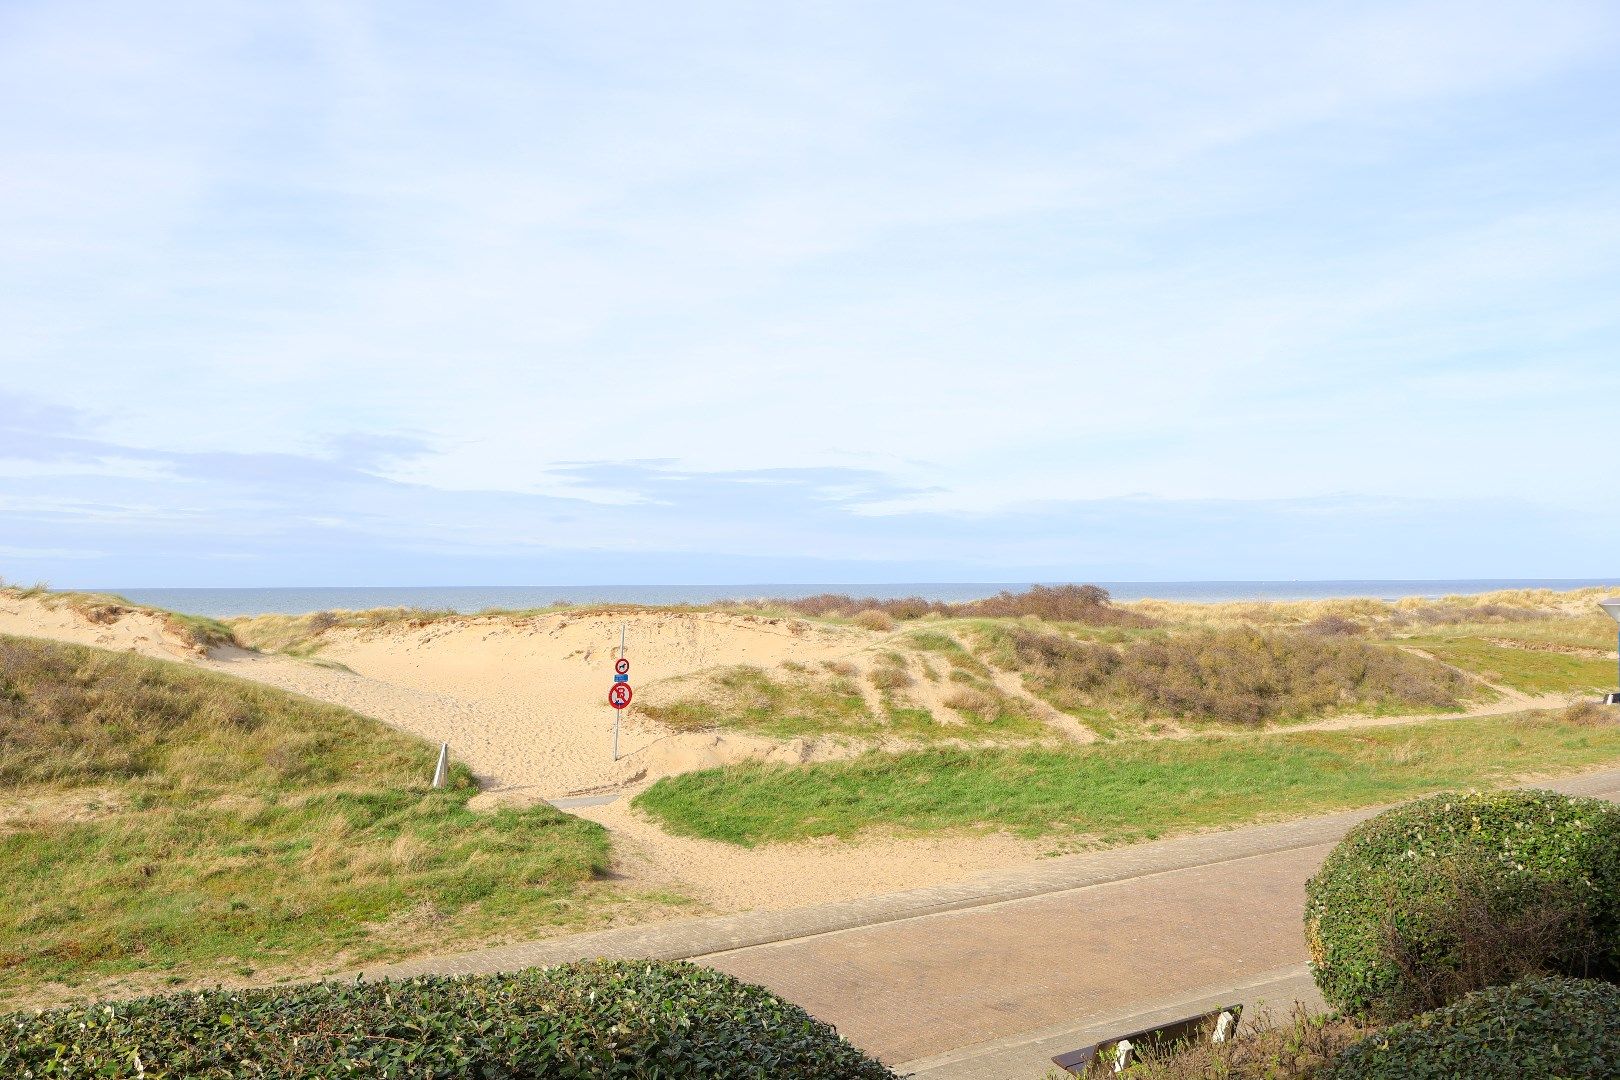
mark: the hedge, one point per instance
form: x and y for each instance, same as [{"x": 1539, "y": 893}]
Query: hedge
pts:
[
  {"x": 1451, "y": 893},
  {"x": 596, "y": 1019},
  {"x": 1566, "y": 1028}
]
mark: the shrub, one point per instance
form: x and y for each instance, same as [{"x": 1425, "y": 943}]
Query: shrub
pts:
[
  {"x": 1238, "y": 675},
  {"x": 1590, "y": 714},
  {"x": 1333, "y": 626},
  {"x": 888, "y": 677},
  {"x": 873, "y": 619},
  {"x": 1567, "y": 1028},
  {"x": 1261, "y": 1049},
  {"x": 1444, "y": 895},
  {"x": 594, "y": 1019}
]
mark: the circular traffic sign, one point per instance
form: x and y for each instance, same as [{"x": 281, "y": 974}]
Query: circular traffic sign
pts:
[
  {"x": 622, "y": 666},
  {"x": 619, "y": 696}
]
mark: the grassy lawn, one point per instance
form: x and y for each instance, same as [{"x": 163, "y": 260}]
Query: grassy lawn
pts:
[
  {"x": 1529, "y": 670},
  {"x": 165, "y": 823},
  {"x": 1122, "y": 792}
]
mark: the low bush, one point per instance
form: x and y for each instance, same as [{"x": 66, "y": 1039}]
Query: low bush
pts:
[
  {"x": 1261, "y": 1049},
  {"x": 1590, "y": 714},
  {"x": 874, "y": 620},
  {"x": 1445, "y": 895},
  {"x": 594, "y": 1019},
  {"x": 1237, "y": 675},
  {"x": 1566, "y": 1028},
  {"x": 889, "y": 677}
]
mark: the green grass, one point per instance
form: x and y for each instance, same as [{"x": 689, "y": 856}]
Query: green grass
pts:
[
  {"x": 1121, "y": 792},
  {"x": 160, "y": 821},
  {"x": 1531, "y": 671}
]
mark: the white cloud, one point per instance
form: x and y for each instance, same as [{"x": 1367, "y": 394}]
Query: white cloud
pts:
[{"x": 1251, "y": 252}]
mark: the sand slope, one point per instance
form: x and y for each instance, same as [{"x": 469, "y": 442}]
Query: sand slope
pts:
[{"x": 523, "y": 702}]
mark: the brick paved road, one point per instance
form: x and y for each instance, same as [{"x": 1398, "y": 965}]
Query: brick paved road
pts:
[{"x": 1105, "y": 934}]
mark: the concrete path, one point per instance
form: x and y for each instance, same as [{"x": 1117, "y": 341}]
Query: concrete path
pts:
[{"x": 994, "y": 975}]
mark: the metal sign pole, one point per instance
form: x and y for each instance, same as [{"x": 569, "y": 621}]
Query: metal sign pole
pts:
[{"x": 617, "y": 713}]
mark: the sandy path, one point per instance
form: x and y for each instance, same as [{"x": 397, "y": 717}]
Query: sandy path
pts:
[
  {"x": 523, "y": 702},
  {"x": 725, "y": 877}
]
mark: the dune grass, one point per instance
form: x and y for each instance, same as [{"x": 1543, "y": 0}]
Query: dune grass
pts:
[
  {"x": 1115, "y": 793},
  {"x": 197, "y": 630},
  {"x": 1230, "y": 675},
  {"x": 797, "y": 701},
  {"x": 158, "y": 821}
]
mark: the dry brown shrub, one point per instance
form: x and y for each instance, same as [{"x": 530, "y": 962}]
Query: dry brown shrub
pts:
[
  {"x": 873, "y": 619},
  {"x": 1590, "y": 714},
  {"x": 1333, "y": 626},
  {"x": 1237, "y": 675},
  {"x": 1089, "y": 604},
  {"x": 887, "y": 677},
  {"x": 841, "y": 667}
]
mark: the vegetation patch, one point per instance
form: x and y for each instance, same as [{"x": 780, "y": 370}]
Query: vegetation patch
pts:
[
  {"x": 1121, "y": 792},
  {"x": 785, "y": 704},
  {"x": 1566, "y": 1028},
  {"x": 594, "y": 1019},
  {"x": 238, "y": 827},
  {"x": 1440, "y": 897},
  {"x": 1236, "y": 675},
  {"x": 1531, "y": 671},
  {"x": 801, "y": 703},
  {"x": 1085, "y": 604},
  {"x": 1261, "y": 1049},
  {"x": 198, "y": 631}
]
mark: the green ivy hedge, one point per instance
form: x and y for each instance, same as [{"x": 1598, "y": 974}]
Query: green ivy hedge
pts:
[
  {"x": 597, "y": 1019},
  {"x": 1451, "y": 893},
  {"x": 1566, "y": 1028}
]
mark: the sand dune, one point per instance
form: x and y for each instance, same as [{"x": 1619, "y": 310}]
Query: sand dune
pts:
[{"x": 523, "y": 702}]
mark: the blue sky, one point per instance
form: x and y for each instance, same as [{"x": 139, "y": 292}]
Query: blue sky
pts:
[{"x": 561, "y": 293}]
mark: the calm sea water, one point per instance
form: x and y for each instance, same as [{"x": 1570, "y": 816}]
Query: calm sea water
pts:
[{"x": 471, "y": 598}]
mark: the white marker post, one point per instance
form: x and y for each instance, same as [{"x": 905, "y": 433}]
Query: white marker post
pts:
[{"x": 441, "y": 771}]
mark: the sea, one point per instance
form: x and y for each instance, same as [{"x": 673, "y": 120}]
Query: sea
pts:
[{"x": 220, "y": 603}]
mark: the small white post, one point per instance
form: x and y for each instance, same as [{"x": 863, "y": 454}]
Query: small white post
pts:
[
  {"x": 441, "y": 772},
  {"x": 1122, "y": 1055}
]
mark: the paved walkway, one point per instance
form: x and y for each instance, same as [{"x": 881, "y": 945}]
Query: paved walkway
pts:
[{"x": 985, "y": 974}]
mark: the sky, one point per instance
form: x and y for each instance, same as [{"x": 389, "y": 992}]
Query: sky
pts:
[{"x": 403, "y": 293}]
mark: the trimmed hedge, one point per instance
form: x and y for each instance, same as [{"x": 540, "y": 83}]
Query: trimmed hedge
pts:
[
  {"x": 595, "y": 1019},
  {"x": 1447, "y": 894},
  {"x": 1567, "y": 1028}
]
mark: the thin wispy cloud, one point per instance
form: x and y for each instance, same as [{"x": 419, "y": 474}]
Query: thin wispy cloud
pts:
[{"x": 903, "y": 289}]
